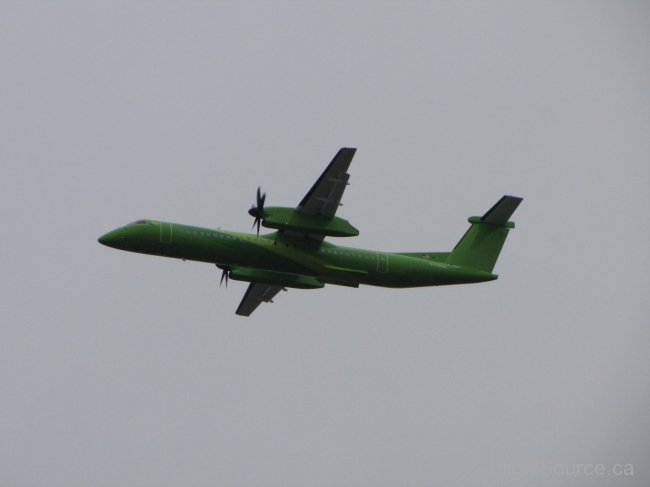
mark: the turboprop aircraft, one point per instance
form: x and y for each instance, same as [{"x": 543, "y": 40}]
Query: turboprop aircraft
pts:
[{"x": 297, "y": 256}]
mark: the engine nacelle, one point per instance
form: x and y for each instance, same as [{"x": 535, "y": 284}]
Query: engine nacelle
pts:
[
  {"x": 293, "y": 220},
  {"x": 275, "y": 278}
]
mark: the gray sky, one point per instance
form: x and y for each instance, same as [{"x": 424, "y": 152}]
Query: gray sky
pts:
[{"x": 124, "y": 369}]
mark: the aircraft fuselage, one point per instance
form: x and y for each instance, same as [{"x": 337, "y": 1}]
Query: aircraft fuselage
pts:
[{"x": 293, "y": 256}]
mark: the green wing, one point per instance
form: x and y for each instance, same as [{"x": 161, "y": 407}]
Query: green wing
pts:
[
  {"x": 256, "y": 294},
  {"x": 325, "y": 195}
]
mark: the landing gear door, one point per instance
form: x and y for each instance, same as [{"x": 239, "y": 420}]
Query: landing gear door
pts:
[{"x": 382, "y": 262}]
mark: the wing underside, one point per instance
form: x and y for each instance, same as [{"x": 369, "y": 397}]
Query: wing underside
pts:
[
  {"x": 256, "y": 294},
  {"x": 325, "y": 195}
]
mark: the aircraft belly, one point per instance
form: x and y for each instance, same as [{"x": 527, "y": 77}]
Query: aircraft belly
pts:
[
  {"x": 406, "y": 272},
  {"x": 388, "y": 270}
]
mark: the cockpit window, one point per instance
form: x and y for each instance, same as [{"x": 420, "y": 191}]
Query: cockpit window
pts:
[{"x": 139, "y": 222}]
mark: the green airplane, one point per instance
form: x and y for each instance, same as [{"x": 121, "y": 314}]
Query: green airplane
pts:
[{"x": 297, "y": 256}]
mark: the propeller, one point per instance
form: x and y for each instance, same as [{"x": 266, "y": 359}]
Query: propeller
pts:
[
  {"x": 258, "y": 211},
  {"x": 224, "y": 274}
]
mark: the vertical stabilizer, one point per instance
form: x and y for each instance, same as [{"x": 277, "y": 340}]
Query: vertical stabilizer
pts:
[{"x": 480, "y": 246}]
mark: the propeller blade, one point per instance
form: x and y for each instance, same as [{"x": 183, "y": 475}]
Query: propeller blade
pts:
[
  {"x": 224, "y": 274},
  {"x": 260, "y": 198},
  {"x": 257, "y": 222},
  {"x": 258, "y": 211}
]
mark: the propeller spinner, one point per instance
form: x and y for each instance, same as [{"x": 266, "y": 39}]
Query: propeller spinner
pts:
[{"x": 258, "y": 211}]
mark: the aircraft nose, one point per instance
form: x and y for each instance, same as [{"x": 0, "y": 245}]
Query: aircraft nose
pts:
[{"x": 110, "y": 239}]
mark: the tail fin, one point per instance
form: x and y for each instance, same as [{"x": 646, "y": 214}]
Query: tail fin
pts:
[{"x": 480, "y": 246}]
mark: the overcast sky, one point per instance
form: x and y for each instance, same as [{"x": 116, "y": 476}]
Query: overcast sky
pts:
[{"x": 120, "y": 369}]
